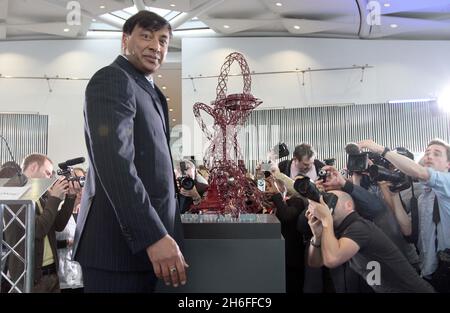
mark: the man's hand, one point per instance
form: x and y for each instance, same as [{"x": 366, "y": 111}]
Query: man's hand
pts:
[
  {"x": 321, "y": 211},
  {"x": 335, "y": 181},
  {"x": 59, "y": 188},
  {"x": 315, "y": 225},
  {"x": 371, "y": 146},
  {"x": 168, "y": 261},
  {"x": 74, "y": 188}
]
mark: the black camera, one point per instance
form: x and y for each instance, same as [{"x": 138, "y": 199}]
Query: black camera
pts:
[
  {"x": 323, "y": 175},
  {"x": 185, "y": 181},
  {"x": 306, "y": 188},
  {"x": 383, "y": 170},
  {"x": 398, "y": 179},
  {"x": 282, "y": 150},
  {"x": 66, "y": 170}
]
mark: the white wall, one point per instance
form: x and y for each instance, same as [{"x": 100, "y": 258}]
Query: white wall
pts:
[
  {"x": 64, "y": 105},
  {"x": 402, "y": 70}
]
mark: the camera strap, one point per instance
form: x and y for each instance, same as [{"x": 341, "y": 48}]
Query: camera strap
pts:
[{"x": 414, "y": 216}]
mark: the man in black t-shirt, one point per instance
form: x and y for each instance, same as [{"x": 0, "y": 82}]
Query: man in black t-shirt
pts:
[{"x": 343, "y": 235}]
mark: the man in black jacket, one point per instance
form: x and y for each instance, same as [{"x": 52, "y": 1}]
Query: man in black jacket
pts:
[
  {"x": 129, "y": 227},
  {"x": 303, "y": 163},
  {"x": 288, "y": 212}
]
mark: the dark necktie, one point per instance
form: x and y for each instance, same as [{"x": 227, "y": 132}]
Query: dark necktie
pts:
[{"x": 436, "y": 220}]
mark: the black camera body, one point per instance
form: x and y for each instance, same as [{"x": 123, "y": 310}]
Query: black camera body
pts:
[
  {"x": 66, "y": 170},
  {"x": 282, "y": 150},
  {"x": 381, "y": 170},
  {"x": 323, "y": 175},
  {"x": 305, "y": 187},
  {"x": 184, "y": 180},
  {"x": 398, "y": 179}
]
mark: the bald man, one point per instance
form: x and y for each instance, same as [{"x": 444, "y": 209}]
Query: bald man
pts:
[{"x": 343, "y": 235}]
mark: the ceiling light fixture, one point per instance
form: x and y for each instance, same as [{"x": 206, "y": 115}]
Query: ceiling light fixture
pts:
[
  {"x": 66, "y": 30},
  {"x": 279, "y": 4},
  {"x": 164, "y": 87},
  {"x": 167, "y": 99},
  {"x": 226, "y": 26},
  {"x": 387, "y": 5},
  {"x": 102, "y": 7},
  {"x": 174, "y": 120},
  {"x": 171, "y": 110},
  {"x": 296, "y": 27},
  {"x": 94, "y": 20},
  {"x": 172, "y": 5},
  {"x": 393, "y": 25},
  {"x": 159, "y": 76}
]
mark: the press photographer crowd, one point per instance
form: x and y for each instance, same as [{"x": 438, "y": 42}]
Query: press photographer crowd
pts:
[{"x": 382, "y": 224}]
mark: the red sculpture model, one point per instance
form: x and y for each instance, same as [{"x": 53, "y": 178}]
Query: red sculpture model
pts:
[{"x": 230, "y": 190}]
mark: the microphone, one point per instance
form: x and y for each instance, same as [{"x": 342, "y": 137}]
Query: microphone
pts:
[
  {"x": 352, "y": 148},
  {"x": 19, "y": 180},
  {"x": 71, "y": 162}
]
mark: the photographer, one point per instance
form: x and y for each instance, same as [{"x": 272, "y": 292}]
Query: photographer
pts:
[
  {"x": 433, "y": 204},
  {"x": 303, "y": 163},
  {"x": 370, "y": 205},
  {"x": 191, "y": 186},
  {"x": 48, "y": 220},
  {"x": 343, "y": 235},
  {"x": 288, "y": 212},
  {"x": 70, "y": 273}
]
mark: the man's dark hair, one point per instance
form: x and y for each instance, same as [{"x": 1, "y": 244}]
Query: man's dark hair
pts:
[
  {"x": 302, "y": 150},
  {"x": 147, "y": 20},
  {"x": 442, "y": 143}
]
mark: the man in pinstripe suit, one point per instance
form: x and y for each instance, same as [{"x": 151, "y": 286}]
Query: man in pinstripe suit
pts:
[{"x": 129, "y": 223}]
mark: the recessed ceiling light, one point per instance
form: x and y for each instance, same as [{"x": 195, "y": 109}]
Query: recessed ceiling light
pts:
[
  {"x": 279, "y": 4},
  {"x": 164, "y": 87},
  {"x": 226, "y": 26},
  {"x": 167, "y": 99},
  {"x": 393, "y": 25},
  {"x": 195, "y": 18},
  {"x": 172, "y": 5},
  {"x": 171, "y": 110},
  {"x": 174, "y": 120},
  {"x": 66, "y": 30},
  {"x": 94, "y": 20},
  {"x": 387, "y": 5},
  {"x": 296, "y": 27},
  {"x": 159, "y": 75},
  {"x": 102, "y": 7}
]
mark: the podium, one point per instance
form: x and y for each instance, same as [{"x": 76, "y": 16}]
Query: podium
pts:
[
  {"x": 17, "y": 220},
  {"x": 232, "y": 256}
]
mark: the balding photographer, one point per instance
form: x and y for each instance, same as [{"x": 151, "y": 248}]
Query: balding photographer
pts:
[{"x": 342, "y": 235}]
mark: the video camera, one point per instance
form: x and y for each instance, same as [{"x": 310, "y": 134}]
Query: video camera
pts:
[
  {"x": 184, "y": 180},
  {"x": 381, "y": 170},
  {"x": 305, "y": 187},
  {"x": 66, "y": 170}
]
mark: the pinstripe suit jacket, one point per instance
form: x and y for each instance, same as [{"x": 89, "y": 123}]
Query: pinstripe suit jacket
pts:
[{"x": 129, "y": 199}]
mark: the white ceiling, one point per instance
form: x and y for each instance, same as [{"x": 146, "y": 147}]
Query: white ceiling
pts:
[
  {"x": 416, "y": 19},
  {"x": 47, "y": 19}
]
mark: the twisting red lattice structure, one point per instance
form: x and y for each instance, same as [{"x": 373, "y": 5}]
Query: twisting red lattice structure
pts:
[{"x": 230, "y": 191}]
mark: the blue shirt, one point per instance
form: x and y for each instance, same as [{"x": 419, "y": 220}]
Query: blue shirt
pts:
[{"x": 439, "y": 185}]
